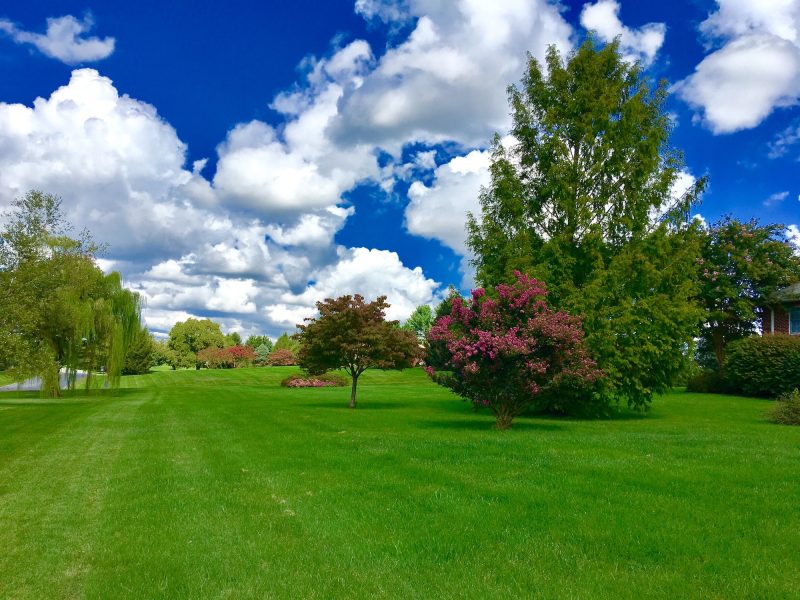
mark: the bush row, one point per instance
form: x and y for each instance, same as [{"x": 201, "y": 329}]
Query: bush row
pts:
[{"x": 756, "y": 366}]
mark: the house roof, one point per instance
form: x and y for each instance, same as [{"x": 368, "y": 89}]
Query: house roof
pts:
[{"x": 789, "y": 294}]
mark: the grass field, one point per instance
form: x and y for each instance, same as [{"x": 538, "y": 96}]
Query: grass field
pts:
[{"x": 220, "y": 484}]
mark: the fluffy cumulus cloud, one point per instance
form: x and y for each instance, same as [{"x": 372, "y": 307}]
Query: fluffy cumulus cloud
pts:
[
  {"x": 439, "y": 211},
  {"x": 602, "y": 17},
  {"x": 189, "y": 245},
  {"x": 756, "y": 69},
  {"x": 447, "y": 80},
  {"x": 793, "y": 233},
  {"x": 64, "y": 39},
  {"x": 253, "y": 244}
]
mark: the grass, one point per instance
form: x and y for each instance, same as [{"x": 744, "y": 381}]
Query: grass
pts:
[{"x": 221, "y": 484}]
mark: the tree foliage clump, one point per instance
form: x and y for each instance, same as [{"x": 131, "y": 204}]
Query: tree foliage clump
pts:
[
  {"x": 354, "y": 335},
  {"x": 187, "y": 338},
  {"x": 742, "y": 265},
  {"x": 256, "y": 341},
  {"x": 584, "y": 199},
  {"x": 231, "y": 357},
  {"x": 513, "y": 353},
  {"x": 58, "y": 310},
  {"x": 282, "y": 357},
  {"x": 763, "y": 366},
  {"x": 139, "y": 357},
  {"x": 420, "y": 322}
]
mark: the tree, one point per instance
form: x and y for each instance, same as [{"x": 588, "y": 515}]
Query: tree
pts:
[
  {"x": 285, "y": 342},
  {"x": 233, "y": 339},
  {"x": 262, "y": 353},
  {"x": 742, "y": 266},
  {"x": 583, "y": 199},
  {"x": 57, "y": 308},
  {"x": 189, "y": 337},
  {"x": 353, "y": 335},
  {"x": 255, "y": 341},
  {"x": 514, "y": 352},
  {"x": 420, "y": 322},
  {"x": 139, "y": 357},
  {"x": 282, "y": 357}
]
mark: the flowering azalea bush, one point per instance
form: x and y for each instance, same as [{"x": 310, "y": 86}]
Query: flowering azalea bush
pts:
[
  {"x": 324, "y": 380},
  {"x": 513, "y": 352}
]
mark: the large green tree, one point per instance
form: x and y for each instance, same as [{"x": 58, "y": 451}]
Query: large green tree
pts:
[
  {"x": 58, "y": 310},
  {"x": 420, "y": 322},
  {"x": 584, "y": 199},
  {"x": 742, "y": 265},
  {"x": 187, "y": 338},
  {"x": 354, "y": 335}
]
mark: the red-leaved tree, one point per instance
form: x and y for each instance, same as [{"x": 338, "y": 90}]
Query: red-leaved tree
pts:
[{"x": 514, "y": 352}]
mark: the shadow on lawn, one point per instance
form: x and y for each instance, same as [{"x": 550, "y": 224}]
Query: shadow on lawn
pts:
[
  {"x": 366, "y": 405},
  {"x": 488, "y": 425},
  {"x": 68, "y": 397}
]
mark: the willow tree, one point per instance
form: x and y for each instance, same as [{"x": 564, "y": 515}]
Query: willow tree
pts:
[
  {"x": 584, "y": 199},
  {"x": 58, "y": 310}
]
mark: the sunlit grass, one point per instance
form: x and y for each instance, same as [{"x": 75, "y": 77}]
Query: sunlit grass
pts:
[{"x": 209, "y": 484}]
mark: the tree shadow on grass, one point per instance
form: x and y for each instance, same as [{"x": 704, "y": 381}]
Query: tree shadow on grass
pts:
[
  {"x": 488, "y": 425},
  {"x": 68, "y": 397},
  {"x": 367, "y": 405}
]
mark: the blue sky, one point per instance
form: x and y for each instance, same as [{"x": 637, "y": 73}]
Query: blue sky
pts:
[{"x": 245, "y": 161}]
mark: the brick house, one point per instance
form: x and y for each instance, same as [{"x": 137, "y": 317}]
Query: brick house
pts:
[{"x": 783, "y": 315}]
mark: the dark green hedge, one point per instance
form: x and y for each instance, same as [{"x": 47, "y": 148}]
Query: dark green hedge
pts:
[{"x": 764, "y": 366}]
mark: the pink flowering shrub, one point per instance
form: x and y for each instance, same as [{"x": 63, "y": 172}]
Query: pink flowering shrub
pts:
[
  {"x": 513, "y": 352},
  {"x": 315, "y": 381}
]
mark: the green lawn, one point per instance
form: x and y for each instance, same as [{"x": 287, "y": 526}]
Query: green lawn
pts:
[{"x": 220, "y": 484}]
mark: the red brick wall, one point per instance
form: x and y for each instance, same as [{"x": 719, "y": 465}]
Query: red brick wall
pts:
[{"x": 781, "y": 321}]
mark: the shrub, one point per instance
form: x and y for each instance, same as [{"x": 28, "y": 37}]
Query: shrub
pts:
[
  {"x": 764, "y": 366},
  {"x": 324, "y": 380},
  {"x": 708, "y": 381},
  {"x": 514, "y": 353},
  {"x": 282, "y": 357},
  {"x": 787, "y": 409}
]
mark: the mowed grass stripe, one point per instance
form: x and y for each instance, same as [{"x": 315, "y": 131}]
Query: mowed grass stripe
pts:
[{"x": 223, "y": 484}]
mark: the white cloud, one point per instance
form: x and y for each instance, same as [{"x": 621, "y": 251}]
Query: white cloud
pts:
[
  {"x": 641, "y": 44},
  {"x": 756, "y": 70},
  {"x": 775, "y": 198},
  {"x": 371, "y": 273},
  {"x": 440, "y": 211},
  {"x": 64, "y": 39},
  {"x": 793, "y": 233},
  {"x": 448, "y": 80}
]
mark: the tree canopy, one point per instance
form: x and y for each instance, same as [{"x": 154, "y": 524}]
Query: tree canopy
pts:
[
  {"x": 187, "y": 338},
  {"x": 57, "y": 308},
  {"x": 583, "y": 198},
  {"x": 354, "y": 335},
  {"x": 742, "y": 265}
]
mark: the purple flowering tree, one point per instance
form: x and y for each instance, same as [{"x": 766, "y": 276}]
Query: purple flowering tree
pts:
[{"x": 513, "y": 352}]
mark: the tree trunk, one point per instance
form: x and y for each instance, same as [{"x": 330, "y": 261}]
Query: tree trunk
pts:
[
  {"x": 718, "y": 340},
  {"x": 505, "y": 415},
  {"x": 353, "y": 392}
]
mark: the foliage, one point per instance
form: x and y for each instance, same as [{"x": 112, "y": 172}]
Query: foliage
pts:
[
  {"x": 420, "y": 322},
  {"x": 262, "y": 353},
  {"x": 233, "y": 339},
  {"x": 255, "y": 341},
  {"x": 322, "y": 380},
  {"x": 187, "y": 338},
  {"x": 353, "y": 335},
  {"x": 139, "y": 357},
  {"x": 163, "y": 354},
  {"x": 282, "y": 357},
  {"x": 436, "y": 354},
  {"x": 742, "y": 266},
  {"x": 583, "y": 200},
  {"x": 57, "y": 308},
  {"x": 226, "y": 358},
  {"x": 787, "y": 409},
  {"x": 708, "y": 381},
  {"x": 286, "y": 342},
  {"x": 764, "y": 366},
  {"x": 514, "y": 352}
]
